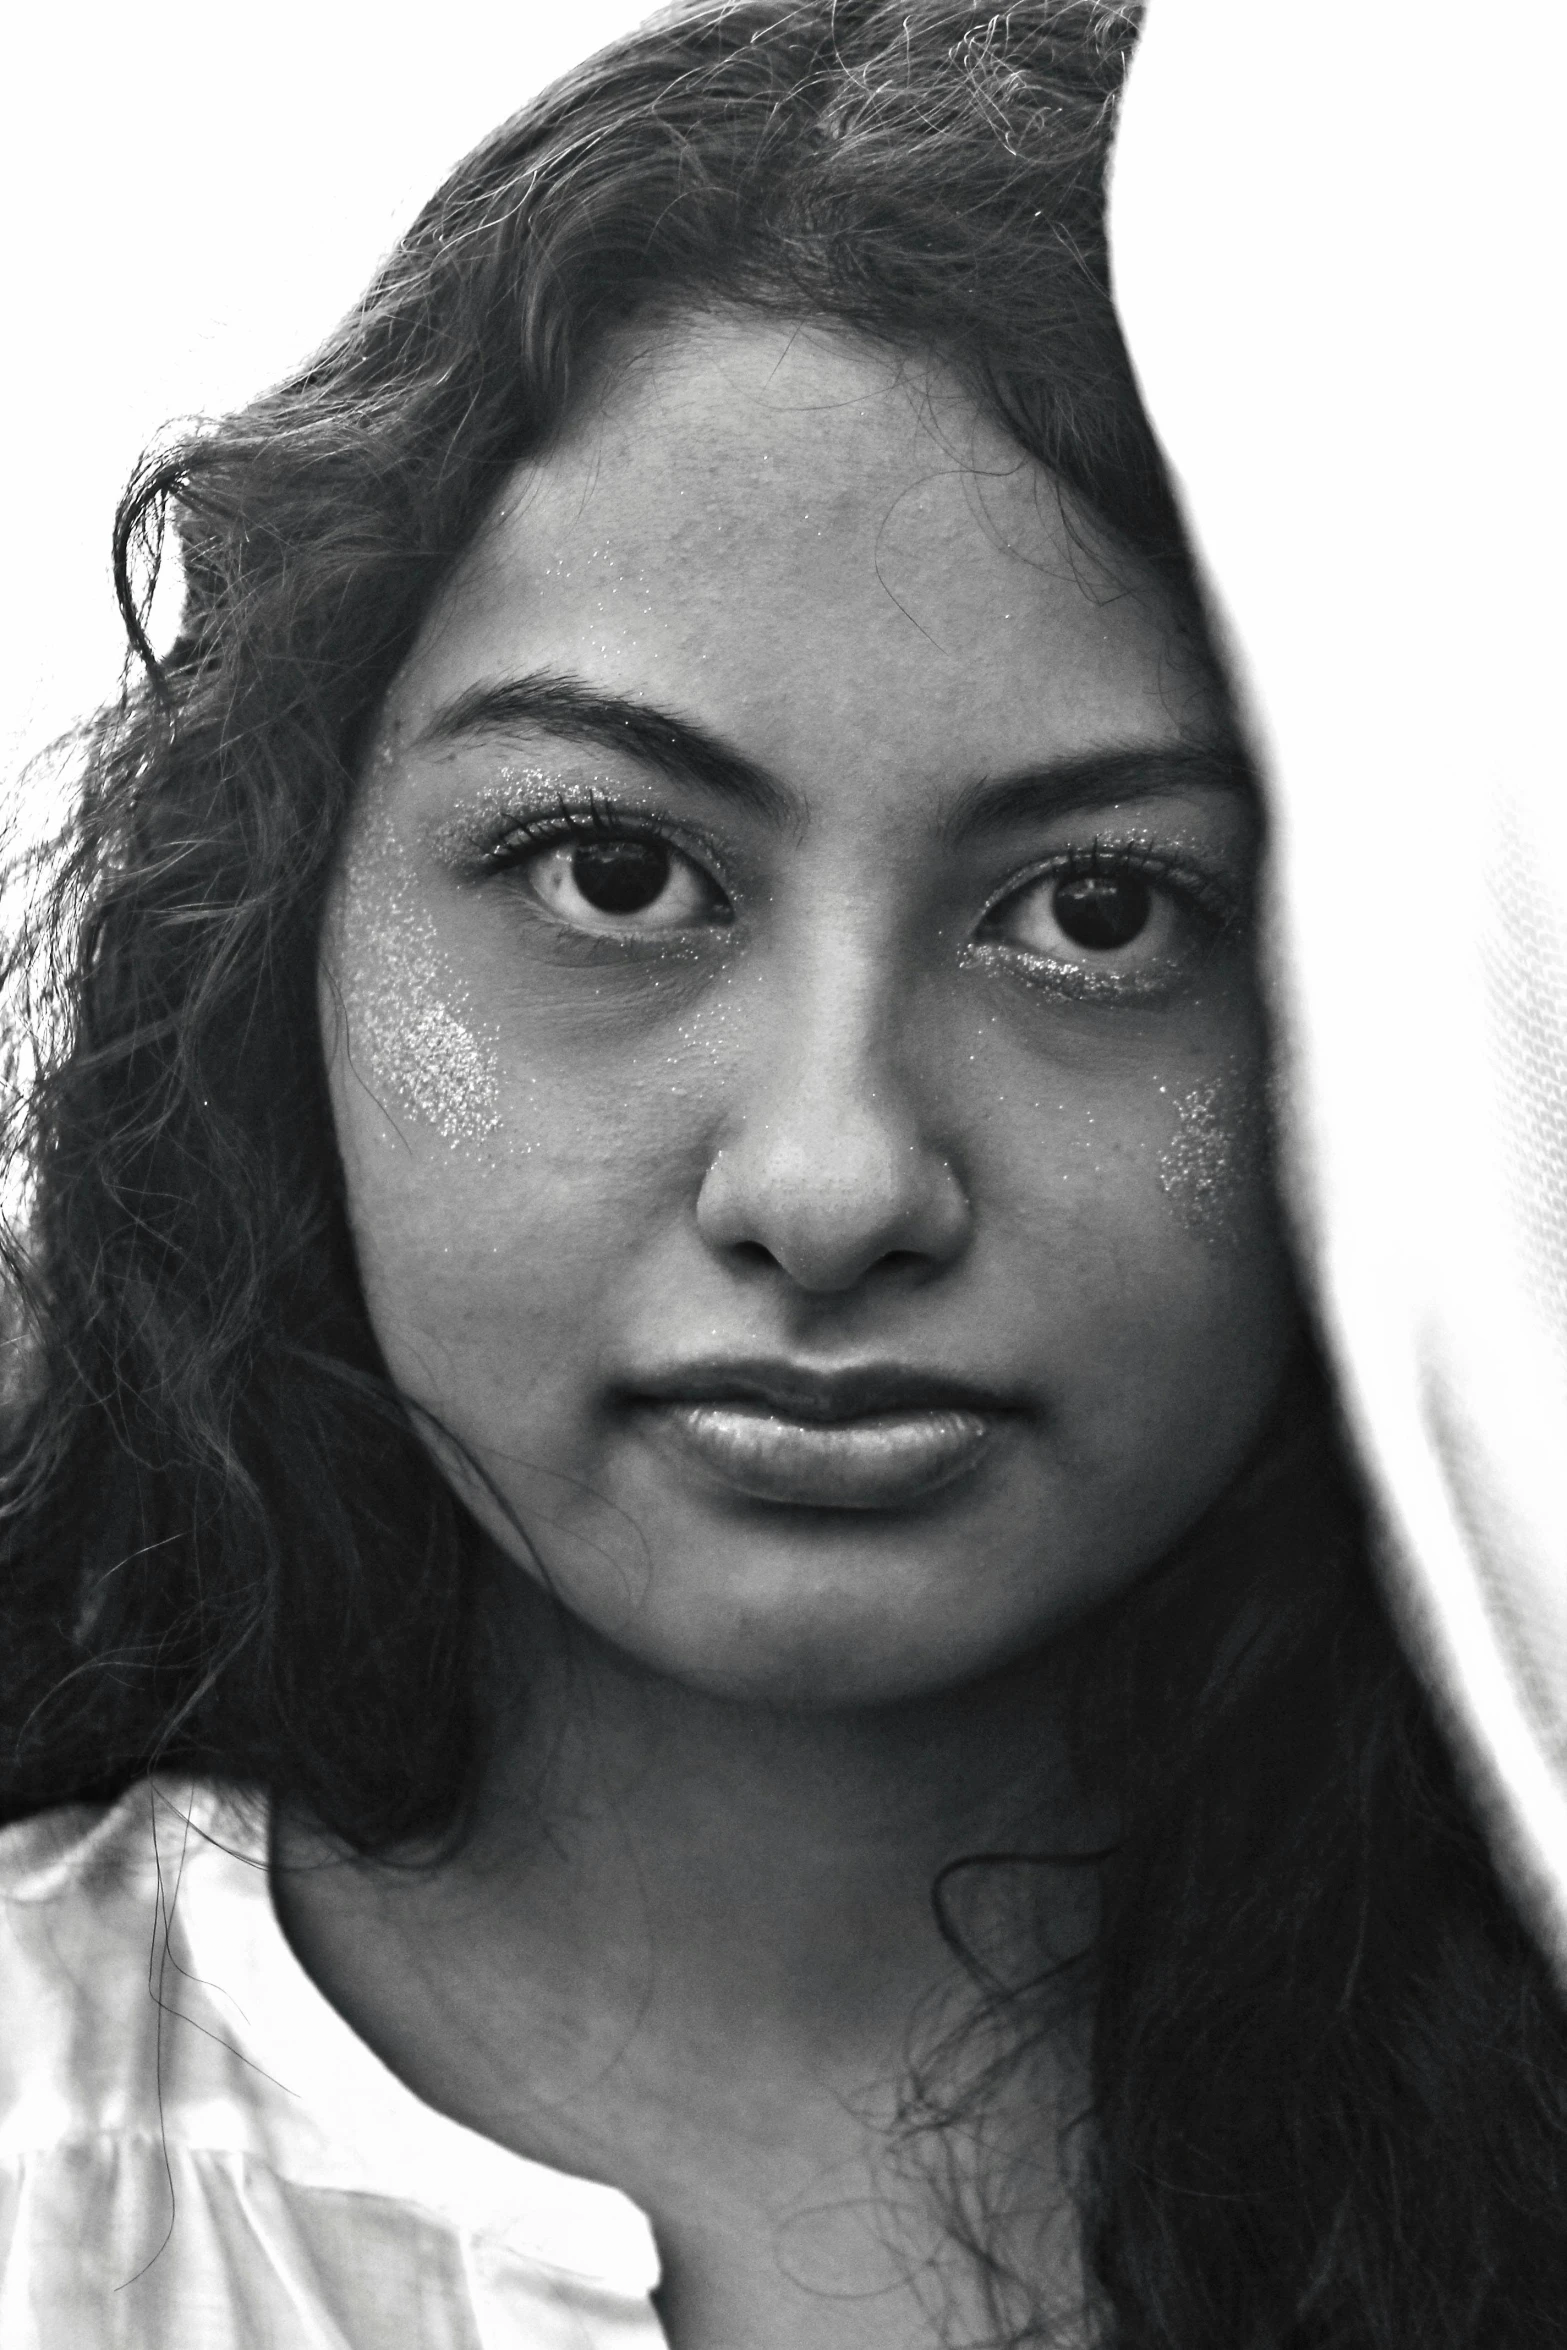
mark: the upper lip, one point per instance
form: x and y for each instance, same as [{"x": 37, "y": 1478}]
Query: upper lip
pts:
[{"x": 804, "y": 1392}]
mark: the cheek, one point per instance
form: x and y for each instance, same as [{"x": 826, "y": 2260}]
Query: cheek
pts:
[
  {"x": 1140, "y": 1151},
  {"x": 414, "y": 1037},
  {"x": 1142, "y": 1228},
  {"x": 495, "y": 1258},
  {"x": 1214, "y": 1167},
  {"x": 397, "y": 1015},
  {"x": 492, "y": 1192}
]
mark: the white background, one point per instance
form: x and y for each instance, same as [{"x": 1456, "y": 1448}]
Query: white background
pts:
[
  {"x": 192, "y": 194},
  {"x": 1343, "y": 276},
  {"x": 1339, "y": 261}
]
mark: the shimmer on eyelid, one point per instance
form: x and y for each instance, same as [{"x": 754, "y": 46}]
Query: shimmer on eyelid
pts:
[{"x": 513, "y": 795}]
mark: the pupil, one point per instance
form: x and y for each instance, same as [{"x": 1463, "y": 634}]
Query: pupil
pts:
[
  {"x": 620, "y": 876},
  {"x": 1102, "y": 909}
]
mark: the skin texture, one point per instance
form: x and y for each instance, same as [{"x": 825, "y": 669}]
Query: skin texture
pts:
[
  {"x": 828, "y": 1130},
  {"x": 876, "y": 1111}
]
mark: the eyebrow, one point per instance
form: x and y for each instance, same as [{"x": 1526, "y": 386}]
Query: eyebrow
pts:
[
  {"x": 994, "y": 802},
  {"x": 554, "y": 702}
]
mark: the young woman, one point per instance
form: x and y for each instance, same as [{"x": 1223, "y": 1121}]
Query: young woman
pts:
[{"x": 689, "y": 1652}]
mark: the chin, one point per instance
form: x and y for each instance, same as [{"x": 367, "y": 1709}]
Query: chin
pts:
[
  {"x": 847, "y": 1647},
  {"x": 826, "y": 1610}
]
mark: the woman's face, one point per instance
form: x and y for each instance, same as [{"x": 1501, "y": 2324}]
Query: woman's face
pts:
[{"x": 793, "y": 1038}]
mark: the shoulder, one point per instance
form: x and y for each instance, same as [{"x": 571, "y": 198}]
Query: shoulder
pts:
[
  {"x": 194, "y": 2145},
  {"x": 86, "y": 1900},
  {"x": 60, "y": 1854},
  {"x": 82, "y": 1861}
]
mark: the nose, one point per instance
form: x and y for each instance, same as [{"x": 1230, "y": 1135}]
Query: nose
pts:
[{"x": 825, "y": 1166}]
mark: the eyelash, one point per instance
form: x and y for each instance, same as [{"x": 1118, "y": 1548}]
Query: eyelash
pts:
[
  {"x": 1212, "y": 902},
  {"x": 589, "y": 819},
  {"x": 1109, "y": 859}
]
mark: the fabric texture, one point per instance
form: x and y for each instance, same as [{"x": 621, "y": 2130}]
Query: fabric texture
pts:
[
  {"x": 1337, "y": 262},
  {"x": 197, "y": 2153}
]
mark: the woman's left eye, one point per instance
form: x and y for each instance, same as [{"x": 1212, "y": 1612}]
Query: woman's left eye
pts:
[
  {"x": 1105, "y": 918},
  {"x": 622, "y": 884}
]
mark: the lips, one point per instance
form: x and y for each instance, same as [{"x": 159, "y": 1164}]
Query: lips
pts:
[{"x": 868, "y": 1437}]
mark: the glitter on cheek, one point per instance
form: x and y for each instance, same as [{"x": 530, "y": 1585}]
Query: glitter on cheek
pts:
[
  {"x": 1212, "y": 1157},
  {"x": 400, "y": 1009},
  {"x": 410, "y": 1027}
]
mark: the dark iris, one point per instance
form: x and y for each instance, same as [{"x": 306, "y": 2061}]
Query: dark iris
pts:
[
  {"x": 1102, "y": 909},
  {"x": 620, "y": 876}
]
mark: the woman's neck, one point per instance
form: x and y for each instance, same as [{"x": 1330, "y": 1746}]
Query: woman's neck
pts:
[
  {"x": 780, "y": 1860},
  {"x": 690, "y": 1941}
]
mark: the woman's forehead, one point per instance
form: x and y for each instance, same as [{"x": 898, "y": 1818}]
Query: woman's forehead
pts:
[
  {"x": 750, "y": 516},
  {"x": 755, "y": 430},
  {"x": 826, "y": 409}
]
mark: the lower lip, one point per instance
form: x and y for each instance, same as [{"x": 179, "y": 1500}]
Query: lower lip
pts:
[{"x": 878, "y": 1461}]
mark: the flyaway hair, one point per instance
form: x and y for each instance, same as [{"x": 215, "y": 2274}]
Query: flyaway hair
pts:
[{"x": 1328, "y": 2108}]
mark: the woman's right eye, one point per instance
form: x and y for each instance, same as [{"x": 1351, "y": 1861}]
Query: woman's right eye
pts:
[{"x": 621, "y": 885}]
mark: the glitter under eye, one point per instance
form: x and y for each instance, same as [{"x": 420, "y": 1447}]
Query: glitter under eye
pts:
[
  {"x": 416, "y": 1046},
  {"x": 409, "y": 1028},
  {"x": 1110, "y": 921},
  {"x": 1216, "y": 1151}
]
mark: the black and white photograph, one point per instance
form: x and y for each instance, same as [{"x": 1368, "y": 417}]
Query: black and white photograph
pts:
[{"x": 783, "y": 1178}]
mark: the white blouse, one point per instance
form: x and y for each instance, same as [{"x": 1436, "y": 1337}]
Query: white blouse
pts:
[{"x": 196, "y": 2153}]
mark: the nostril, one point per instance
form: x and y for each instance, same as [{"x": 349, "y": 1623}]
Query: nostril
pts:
[
  {"x": 753, "y": 1256},
  {"x": 752, "y": 1253}
]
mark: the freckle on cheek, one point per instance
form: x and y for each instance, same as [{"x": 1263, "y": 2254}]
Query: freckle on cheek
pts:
[{"x": 408, "y": 1024}]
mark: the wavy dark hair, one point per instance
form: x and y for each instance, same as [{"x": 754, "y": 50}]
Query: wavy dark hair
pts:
[{"x": 1328, "y": 2107}]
